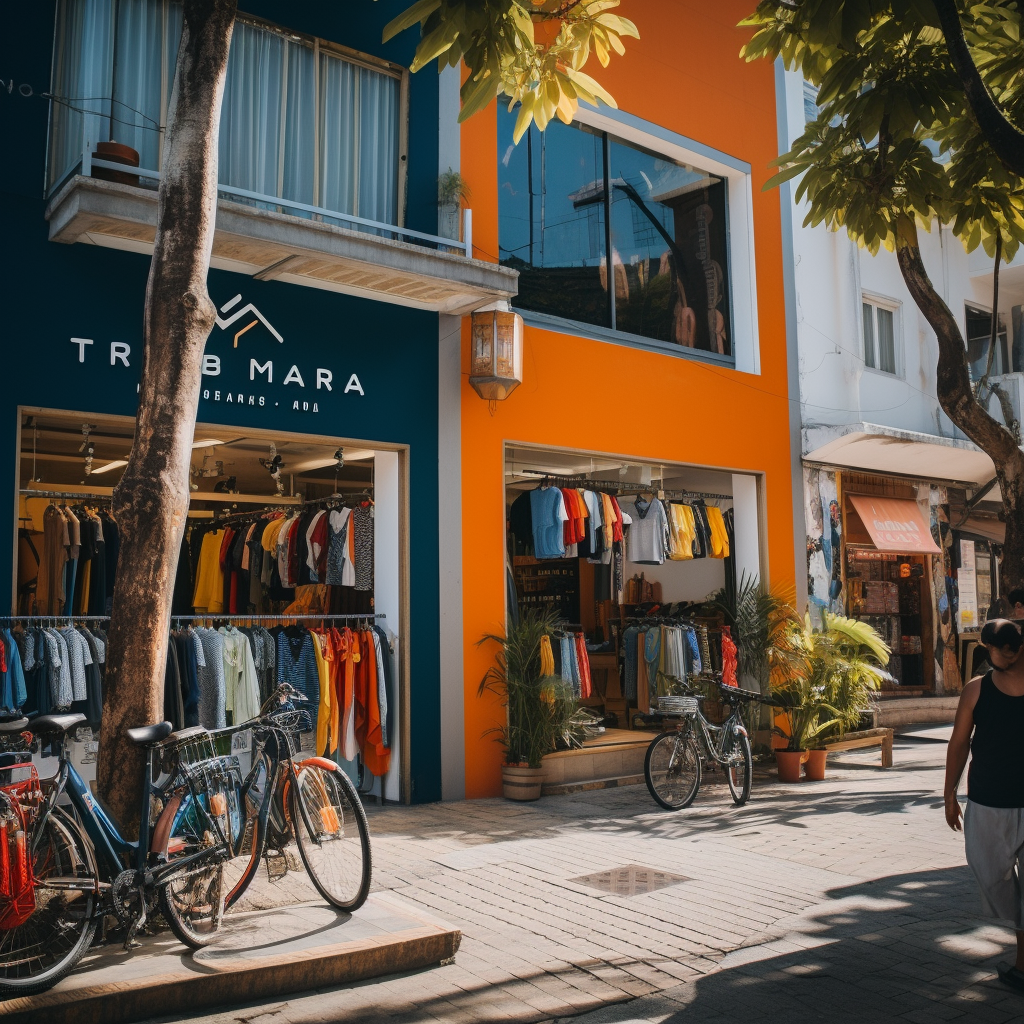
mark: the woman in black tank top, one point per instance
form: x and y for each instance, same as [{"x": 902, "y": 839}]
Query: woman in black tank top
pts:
[
  {"x": 990, "y": 727},
  {"x": 996, "y": 775}
]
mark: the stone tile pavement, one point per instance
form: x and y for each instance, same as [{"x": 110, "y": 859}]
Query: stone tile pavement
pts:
[{"x": 846, "y": 900}]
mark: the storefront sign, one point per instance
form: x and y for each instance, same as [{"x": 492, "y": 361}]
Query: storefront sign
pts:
[
  {"x": 240, "y": 366},
  {"x": 967, "y": 587},
  {"x": 895, "y": 524}
]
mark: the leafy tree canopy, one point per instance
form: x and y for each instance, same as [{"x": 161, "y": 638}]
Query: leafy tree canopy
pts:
[
  {"x": 895, "y": 141},
  {"x": 532, "y": 51}
]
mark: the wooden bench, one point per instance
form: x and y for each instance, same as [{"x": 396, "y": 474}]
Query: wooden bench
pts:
[{"x": 866, "y": 738}]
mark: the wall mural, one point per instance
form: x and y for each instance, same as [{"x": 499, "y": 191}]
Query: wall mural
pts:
[{"x": 824, "y": 520}]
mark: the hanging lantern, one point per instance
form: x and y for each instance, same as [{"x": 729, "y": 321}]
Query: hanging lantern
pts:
[{"x": 496, "y": 368}]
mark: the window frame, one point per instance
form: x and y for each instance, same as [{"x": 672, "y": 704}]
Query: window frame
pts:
[
  {"x": 1004, "y": 335},
  {"x": 895, "y": 307},
  {"x": 740, "y": 250},
  {"x": 317, "y": 43}
]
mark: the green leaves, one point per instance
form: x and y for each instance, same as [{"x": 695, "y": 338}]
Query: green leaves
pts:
[
  {"x": 894, "y": 137},
  {"x": 497, "y": 41}
]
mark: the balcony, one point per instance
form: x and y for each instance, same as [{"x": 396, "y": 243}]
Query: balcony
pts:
[{"x": 271, "y": 238}]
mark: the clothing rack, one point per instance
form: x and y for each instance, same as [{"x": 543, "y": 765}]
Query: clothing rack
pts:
[
  {"x": 276, "y": 618},
  {"x": 678, "y": 495},
  {"x": 31, "y": 492},
  {"x": 34, "y": 619}
]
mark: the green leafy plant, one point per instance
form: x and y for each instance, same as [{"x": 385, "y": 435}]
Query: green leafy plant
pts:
[
  {"x": 833, "y": 673},
  {"x": 542, "y": 713},
  {"x": 498, "y": 42},
  {"x": 452, "y": 189}
]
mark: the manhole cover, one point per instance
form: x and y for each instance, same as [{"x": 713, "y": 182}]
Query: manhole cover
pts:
[{"x": 630, "y": 880}]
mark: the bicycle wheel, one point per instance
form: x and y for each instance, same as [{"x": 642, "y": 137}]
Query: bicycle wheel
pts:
[
  {"x": 672, "y": 769},
  {"x": 739, "y": 768},
  {"x": 38, "y": 953},
  {"x": 331, "y": 833},
  {"x": 192, "y": 901}
]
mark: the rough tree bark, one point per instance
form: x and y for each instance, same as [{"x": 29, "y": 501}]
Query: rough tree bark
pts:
[
  {"x": 151, "y": 502},
  {"x": 1005, "y": 138},
  {"x": 957, "y": 400}
]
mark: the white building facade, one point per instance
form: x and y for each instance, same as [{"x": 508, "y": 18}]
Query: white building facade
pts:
[{"x": 874, "y": 442}]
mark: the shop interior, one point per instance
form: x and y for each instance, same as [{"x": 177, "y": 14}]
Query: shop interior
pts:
[
  {"x": 606, "y": 602},
  {"x": 323, "y": 510}
]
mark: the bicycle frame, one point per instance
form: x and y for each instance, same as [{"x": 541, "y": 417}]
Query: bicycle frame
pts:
[
  {"x": 732, "y": 726},
  {"x": 114, "y": 853}
]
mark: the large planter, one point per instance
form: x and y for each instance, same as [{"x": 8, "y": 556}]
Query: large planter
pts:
[
  {"x": 116, "y": 153},
  {"x": 521, "y": 783},
  {"x": 814, "y": 767},
  {"x": 789, "y": 764}
]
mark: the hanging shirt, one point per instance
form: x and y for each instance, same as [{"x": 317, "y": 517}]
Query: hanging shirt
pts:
[
  {"x": 341, "y": 570},
  {"x": 648, "y": 534},
  {"x": 14, "y": 692},
  {"x": 241, "y": 685},
  {"x": 208, "y": 595},
  {"x": 549, "y": 514},
  {"x": 362, "y": 525},
  {"x": 212, "y": 695}
]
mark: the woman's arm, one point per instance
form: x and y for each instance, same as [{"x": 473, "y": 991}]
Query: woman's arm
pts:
[{"x": 958, "y": 750}]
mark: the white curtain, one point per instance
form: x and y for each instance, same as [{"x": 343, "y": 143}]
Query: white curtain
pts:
[
  {"x": 120, "y": 55},
  {"x": 358, "y": 140},
  {"x": 146, "y": 48},
  {"x": 83, "y": 46}
]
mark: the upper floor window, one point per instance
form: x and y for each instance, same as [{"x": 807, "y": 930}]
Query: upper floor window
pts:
[
  {"x": 979, "y": 336},
  {"x": 881, "y": 335},
  {"x": 302, "y": 120},
  {"x": 607, "y": 233}
]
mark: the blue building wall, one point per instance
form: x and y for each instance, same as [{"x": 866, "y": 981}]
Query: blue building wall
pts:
[{"x": 53, "y": 293}]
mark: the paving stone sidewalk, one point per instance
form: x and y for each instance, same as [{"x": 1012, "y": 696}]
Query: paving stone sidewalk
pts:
[{"x": 846, "y": 900}]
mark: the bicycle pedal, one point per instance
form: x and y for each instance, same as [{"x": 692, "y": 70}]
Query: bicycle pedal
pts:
[{"x": 277, "y": 865}]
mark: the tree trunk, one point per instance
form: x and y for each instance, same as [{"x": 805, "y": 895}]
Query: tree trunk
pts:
[
  {"x": 1005, "y": 138},
  {"x": 957, "y": 400},
  {"x": 150, "y": 503}
]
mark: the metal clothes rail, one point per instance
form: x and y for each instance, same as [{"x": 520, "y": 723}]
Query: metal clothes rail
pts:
[{"x": 31, "y": 492}]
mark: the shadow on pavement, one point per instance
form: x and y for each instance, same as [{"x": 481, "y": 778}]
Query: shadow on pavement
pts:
[{"x": 904, "y": 948}]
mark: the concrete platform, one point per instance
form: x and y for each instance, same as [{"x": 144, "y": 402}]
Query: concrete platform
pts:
[
  {"x": 908, "y": 711},
  {"x": 615, "y": 758},
  {"x": 259, "y": 955}
]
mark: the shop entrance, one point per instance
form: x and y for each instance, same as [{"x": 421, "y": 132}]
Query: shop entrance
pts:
[
  {"x": 293, "y": 562},
  {"x": 651, "y": 543}
]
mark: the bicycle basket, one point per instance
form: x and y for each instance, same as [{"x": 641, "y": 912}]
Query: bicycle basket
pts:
[
  {"x": 677, "y": 705},
  {"x": 187, "y": 746}
]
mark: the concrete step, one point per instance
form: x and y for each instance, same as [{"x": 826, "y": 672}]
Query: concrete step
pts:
[
  {"x": 258, "y": 956},
  {"x": 902, "y": 712}
]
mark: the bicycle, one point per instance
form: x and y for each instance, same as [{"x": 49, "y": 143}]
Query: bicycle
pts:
[
  {"x": 197, "y": 815},
  {"x": 673, "y": 766},
  {"x": 315, "y": 794}
]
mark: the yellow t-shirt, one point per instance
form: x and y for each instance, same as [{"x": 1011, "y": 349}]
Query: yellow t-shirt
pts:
[{"x": 208, "y": 595}]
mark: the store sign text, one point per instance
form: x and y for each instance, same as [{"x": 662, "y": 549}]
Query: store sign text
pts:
[{"x": 322, "y": 379}]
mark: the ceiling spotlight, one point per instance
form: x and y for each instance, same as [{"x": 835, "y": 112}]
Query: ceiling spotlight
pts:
[{"x": 113, "y": 464}]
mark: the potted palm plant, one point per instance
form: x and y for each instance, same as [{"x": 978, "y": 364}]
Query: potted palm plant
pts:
[
  {"x": 542, "y": 714},
  {"x": 842, "y": 665}
]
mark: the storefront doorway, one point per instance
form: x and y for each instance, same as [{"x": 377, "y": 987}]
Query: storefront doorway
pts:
[
  {"x": 599, "y": 588},
  {"x": 292, "y": 540}
]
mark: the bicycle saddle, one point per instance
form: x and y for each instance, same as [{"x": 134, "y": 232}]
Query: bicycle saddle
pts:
[
  {"x": 55, "y": 723},
  {"x": 14, "y": 725},
  {"x": 147, "y": 734}
]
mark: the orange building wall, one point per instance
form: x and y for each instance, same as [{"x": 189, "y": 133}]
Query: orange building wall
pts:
[{"x": 684, "y": 74}]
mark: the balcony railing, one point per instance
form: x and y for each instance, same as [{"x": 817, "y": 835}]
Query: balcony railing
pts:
[
  {"x": 89, "y": 161},
  {"x": 271, "y": 238}
]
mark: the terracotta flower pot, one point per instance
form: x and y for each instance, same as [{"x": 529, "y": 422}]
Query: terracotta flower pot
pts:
[
  {"x": 814, "y": 767},
  {"x": 789, "y": 764},
  {"x": 116, "y": 153},
  {"x": 521, "y": 783}
]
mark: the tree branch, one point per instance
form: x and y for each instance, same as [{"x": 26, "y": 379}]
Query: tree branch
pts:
[{"x": 1004, "y": 137}]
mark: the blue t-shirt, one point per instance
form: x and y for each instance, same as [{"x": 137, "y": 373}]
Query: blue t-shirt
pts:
[{"x": 546, "y": 504}]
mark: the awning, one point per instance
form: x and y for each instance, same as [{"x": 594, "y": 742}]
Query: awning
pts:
[{"x": 895, "y": 524}]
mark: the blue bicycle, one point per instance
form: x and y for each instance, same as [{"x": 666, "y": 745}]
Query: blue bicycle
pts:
[{"x": 203, "y": 833}]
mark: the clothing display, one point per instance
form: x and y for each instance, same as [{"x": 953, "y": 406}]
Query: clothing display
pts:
[
  {"x": 74, "y": 560},
  {"x": 257, "y": 561},
  {"x": 48, "y": 670},
  {"x": 569, "y": 660},
  {"x": 656, "y": 656}
]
